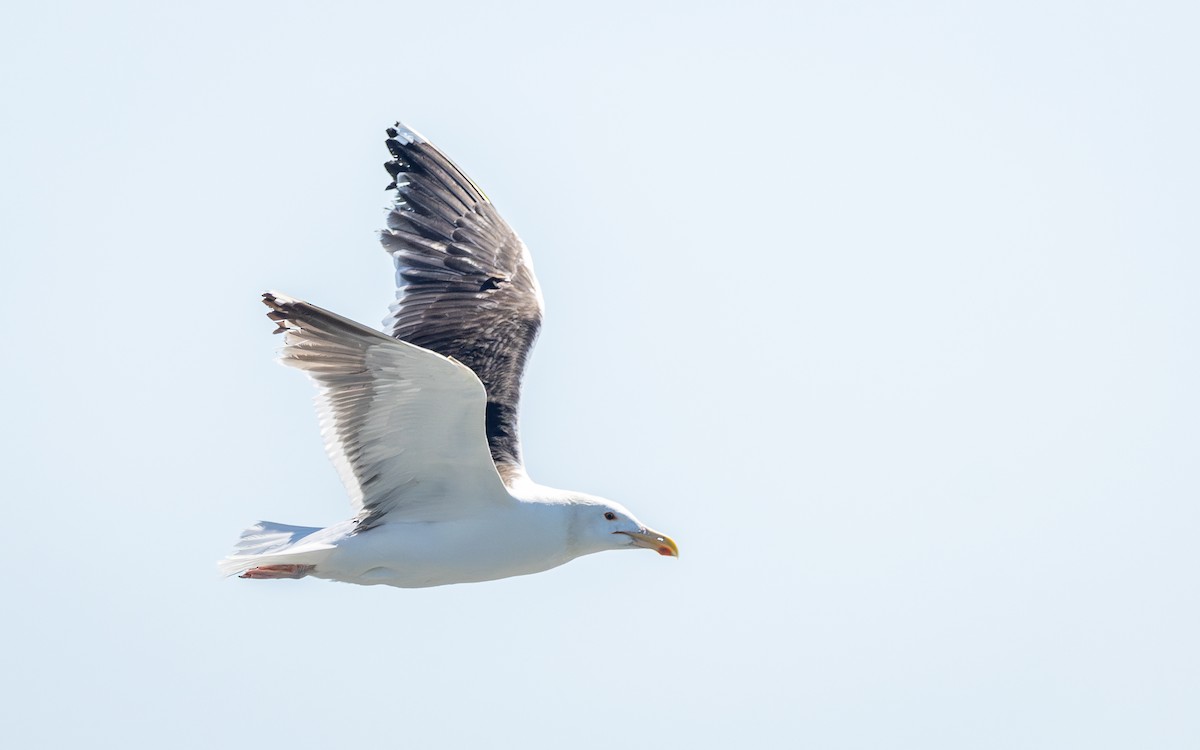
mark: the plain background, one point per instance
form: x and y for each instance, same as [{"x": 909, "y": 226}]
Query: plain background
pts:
[{"x": 887, "y": 312}]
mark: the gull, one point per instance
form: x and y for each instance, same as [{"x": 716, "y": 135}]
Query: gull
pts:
[{"x": 421, "y": 421}]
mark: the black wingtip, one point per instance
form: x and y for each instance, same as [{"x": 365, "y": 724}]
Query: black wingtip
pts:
[
  {"x": 400, "y": 138},
  {"x": 280, "y": 310},
  {"x": 403, "y": 133}
]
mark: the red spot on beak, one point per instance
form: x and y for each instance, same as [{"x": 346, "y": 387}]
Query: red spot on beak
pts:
[{"x": 665, "y": 551}]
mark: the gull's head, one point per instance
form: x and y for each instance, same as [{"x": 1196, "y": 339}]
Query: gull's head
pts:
[{"x": 600, "y": 524}]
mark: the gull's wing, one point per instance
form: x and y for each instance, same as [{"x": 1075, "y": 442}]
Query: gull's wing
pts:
[
  {"x": 465, "y": 283},
  {"x": 403, "y": 425}
]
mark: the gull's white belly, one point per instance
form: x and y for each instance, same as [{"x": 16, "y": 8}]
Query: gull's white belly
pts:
[{"x": 415, "y": 555}]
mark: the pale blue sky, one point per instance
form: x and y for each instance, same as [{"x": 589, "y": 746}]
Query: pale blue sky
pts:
[{"x": 887, "y": 314}]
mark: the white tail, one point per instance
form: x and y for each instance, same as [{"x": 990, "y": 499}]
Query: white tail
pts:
[{"x": 267, "y": 543}]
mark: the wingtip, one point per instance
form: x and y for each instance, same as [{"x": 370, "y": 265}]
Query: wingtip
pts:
[
  {"x": 401, "y": 132},
  {"x": 279, "y": 304},
  {"x": 271, "y": 297},
  {"x": 399, "y": 138}
]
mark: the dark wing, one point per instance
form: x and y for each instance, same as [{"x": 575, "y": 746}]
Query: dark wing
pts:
[{"x": 465, "y": 286}]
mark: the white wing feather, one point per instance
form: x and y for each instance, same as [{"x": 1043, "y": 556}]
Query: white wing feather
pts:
[{"x": 403, "y": 425}]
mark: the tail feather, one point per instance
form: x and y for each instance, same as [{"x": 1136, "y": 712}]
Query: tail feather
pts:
[{"x": 268, "y": 543}]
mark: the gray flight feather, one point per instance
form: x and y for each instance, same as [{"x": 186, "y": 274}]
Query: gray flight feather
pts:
[{"x": 465, "y": 286}]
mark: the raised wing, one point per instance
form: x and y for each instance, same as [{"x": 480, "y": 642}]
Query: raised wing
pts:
[
  {"x": 403, "y": 425},
  {"x": 465, "y": 283}
]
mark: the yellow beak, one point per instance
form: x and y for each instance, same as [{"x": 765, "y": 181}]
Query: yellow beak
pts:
[{"x": 651, "y": 539}]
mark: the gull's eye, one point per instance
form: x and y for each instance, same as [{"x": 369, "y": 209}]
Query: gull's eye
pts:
[{"x": 609, "y": 515}]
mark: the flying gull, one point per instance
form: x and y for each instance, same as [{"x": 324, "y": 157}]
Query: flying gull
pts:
[{"x": 421, "y": 423}]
